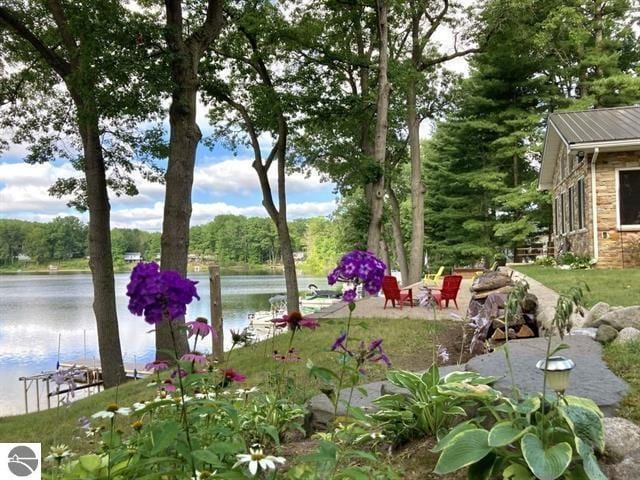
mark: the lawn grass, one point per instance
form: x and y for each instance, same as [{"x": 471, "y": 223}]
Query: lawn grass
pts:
[
  {"x": 408, "y": 342},
  {"x": 619, "y": 287},
  {"x": 624, "y": 361}
]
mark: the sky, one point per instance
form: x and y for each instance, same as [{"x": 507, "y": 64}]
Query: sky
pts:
[{"x": 224, "y": 183}]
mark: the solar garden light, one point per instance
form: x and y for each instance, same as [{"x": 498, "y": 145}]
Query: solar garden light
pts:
[{"x": 558, "y": 370}]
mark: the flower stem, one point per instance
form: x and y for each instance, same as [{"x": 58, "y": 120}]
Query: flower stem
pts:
[{"x": 343, "y": 368}]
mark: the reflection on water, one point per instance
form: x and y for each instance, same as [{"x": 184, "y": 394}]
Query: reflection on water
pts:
[{"x": 36, "y": 310}]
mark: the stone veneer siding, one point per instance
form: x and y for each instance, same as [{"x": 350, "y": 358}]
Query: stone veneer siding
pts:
[
  {"x": 617, "y": 248},
  {"x": 579, "y": 240}
]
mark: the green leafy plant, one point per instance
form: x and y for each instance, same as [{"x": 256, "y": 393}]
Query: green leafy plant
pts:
[{"x": 431, "y": 403}]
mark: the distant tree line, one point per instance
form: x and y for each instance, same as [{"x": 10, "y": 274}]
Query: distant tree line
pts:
[{"x": 228, "y": 239}]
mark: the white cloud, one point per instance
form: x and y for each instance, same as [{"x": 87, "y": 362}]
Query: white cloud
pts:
[{"x": 237, "y": 177}]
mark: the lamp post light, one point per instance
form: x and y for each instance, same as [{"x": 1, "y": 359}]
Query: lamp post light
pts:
[{"x": 558, "y": 370}]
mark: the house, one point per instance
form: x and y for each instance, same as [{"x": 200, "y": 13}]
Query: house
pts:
[
  {"x": 132, "y": 257},
  {"x": 591, "y": 165}
]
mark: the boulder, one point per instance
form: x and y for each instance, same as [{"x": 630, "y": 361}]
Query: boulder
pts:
[
  {"x": 622, "y": 318},
  {"x": 621, "y": 437},
  {"x": 545, "y": 318},
  {"x": 627, "y": 335},
  {"x": 627, "y": 469},
  {"x": 491, "y": 281},
  {"x": 530, "y": 303},
  {"x": 589, "y": 332},
  {"x": 606, "y": 334},
  {"x": 596, "y": 312},
  {"x": 577, "y": 320}
]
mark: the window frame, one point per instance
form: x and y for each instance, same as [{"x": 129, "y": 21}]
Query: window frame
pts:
[
  {"x": 625, "y": 227},
  {"x": 581, "y": 204},
  {"x": 570, "y": 200},
  {"x": 563, "y": 218}
]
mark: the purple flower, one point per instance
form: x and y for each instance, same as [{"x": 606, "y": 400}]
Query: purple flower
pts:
[
  {"x": 372, "y": 353},
  {"x": 159, "y": 295},
  {"x": 339, "y": 342},
  {"x": 359, "y": 267},
  {"x": 156, "y": 366},
  {"x": 195, "y": 357},
  {"x": 232, "y": 375},
  {"x": 349, "y": 295},
  {"x": 168, "y": 386},
  {"x": 295, "y": 321},
  {"x": 200, "y": 327},
  {"x": 179, "y": 371}
]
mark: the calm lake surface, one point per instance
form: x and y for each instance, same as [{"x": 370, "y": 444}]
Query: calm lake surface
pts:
[{"x": 36, "y": 309}]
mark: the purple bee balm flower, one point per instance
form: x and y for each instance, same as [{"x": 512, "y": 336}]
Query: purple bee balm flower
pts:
[
  {"x": 181, "y": 371},
  {"x": 349, "y": 295},
  {"x": 168, "y": 386},
  {"x": 295, "y": 321},
  {"x": 339, "y": 342},
  {"x": 232, "y": 375},
  {"x": 359, "y": 267},
  {"x": 200, "y": 327},
  {"x": 195, "y": 357},
  {"x": 159, "y": 295},
  {"x": 156, "y": 366}
]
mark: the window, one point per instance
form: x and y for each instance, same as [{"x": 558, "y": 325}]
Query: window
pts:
[
  {"x": 557, "y": 215},
  {"x": 562, "y": 213},
  {"x": 571, "y": 195},
  {"x": 580, "y": 193},
  {"x": 628, "y": 183}
]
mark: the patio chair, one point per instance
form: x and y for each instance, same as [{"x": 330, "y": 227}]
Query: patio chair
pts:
[
  {"x": 448, "y": 291},
  {"x": 392, "y": 292},
  {"x": 433, "y": 278}
]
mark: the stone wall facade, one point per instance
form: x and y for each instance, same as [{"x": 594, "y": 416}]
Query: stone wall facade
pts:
[
  {"x": 573, "y": 225},
  {"x": 617, "y": 248}
]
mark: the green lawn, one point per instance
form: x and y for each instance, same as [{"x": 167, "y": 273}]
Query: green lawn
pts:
[
  {"x": 616, "y": 287},
  {"x": 408, "y": 343},
  {"x": 624, "y": 361}
]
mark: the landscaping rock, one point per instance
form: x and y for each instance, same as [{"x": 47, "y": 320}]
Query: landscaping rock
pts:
[
  {"x": 590, "y": 378},
  {"x": 622, "y": 318},
  {"x": 606, "y": 334},
  {"x": 321, "y": 407},
  {"x": 621, "y": 437},
  {"x": 627, "y": 335},
  {"x": 588, "y": 332},
  {"x": 491, "y": 281},
  {"x": 596, "y": 312},
  {"x": 577, "y": 320},
  {"x": 627, "y": 469},
  {"x": 545, "y": 318}
]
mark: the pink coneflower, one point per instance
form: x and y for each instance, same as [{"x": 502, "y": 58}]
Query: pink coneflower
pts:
[
  {"x": 295, "y": 321},
  {"x": 156, "y": 366},
  {"x": 200, "y": 327},
  {"x": 195, "y": 357},
  {"x": 231, "y": 375},
  {"x": 168, "y": 386}
]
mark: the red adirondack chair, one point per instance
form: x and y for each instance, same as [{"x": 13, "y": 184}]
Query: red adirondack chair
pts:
[
  {"x": 392, "y": 292},
  {"x": 448, "y": 291}
]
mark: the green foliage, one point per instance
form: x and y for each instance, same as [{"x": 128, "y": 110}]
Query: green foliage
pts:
[
  {"x": 575, "y": 262},
  {"x": 433, "y": 402}
]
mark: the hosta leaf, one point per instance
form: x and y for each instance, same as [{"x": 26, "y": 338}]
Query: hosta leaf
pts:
[
  {"x": 589, "y": 462},
  {"x": 584, "y": 423},
  {"x": 444, "y": 441},
  {"x": 530, "y": 405},
  {"x": 482, "y": 470},
  {"x": 583, "y": 402},
  {"x": 504, "y": 433},
  {"x": 515, "y": 471},
  {"x": 464, "y": 449},
  {"x": 546, "y": 464}
]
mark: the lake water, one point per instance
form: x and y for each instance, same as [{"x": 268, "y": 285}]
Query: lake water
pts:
[{"x": 36, "y": 309}]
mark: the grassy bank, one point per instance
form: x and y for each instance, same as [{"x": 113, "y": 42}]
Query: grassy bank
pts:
[
  {"x": 624, "y": 361},
  {"x": 616, "y": 287},
  {"x": 409, "y": 344}
]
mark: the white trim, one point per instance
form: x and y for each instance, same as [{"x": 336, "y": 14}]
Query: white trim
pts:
[
  {"x": 566, "y": 144},
  {"x": 606, "y": 145},
  {"x": 634, "y": 226},
  {"x": 594, "y": 205}
]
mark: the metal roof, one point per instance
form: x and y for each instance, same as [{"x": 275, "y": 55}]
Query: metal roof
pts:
[{"x": 601, "y": 125}]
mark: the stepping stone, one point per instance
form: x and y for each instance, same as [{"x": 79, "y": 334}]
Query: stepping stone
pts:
[{"x": 590, "y": 378}]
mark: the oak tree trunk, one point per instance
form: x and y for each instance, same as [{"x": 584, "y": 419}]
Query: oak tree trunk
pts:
[
  {"x": 380, "y": 143},
  {"x": 398, "y": 240},
  {"x": 416, "y": 254}
]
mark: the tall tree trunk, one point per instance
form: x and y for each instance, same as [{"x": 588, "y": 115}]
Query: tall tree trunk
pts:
[
  {"x": 416, "y": 254},
  {"x": 398, "y": 240},
  {"x": 290, "y": 275},
  {"x": 100, "y": 259},
  {"x": 380, "y": 144},
  {"x": 183, "y": 143}
]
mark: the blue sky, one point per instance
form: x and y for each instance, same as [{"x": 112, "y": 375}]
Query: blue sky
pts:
[{"x": 223, "y": 183}]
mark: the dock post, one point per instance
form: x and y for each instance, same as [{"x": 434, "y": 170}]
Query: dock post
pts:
[
  {"x": 215, "y": 295},
  {"x": 38, "y": 394},
  {"x": 48, "y": 394},
  {"x": 26, "y": 398}
]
